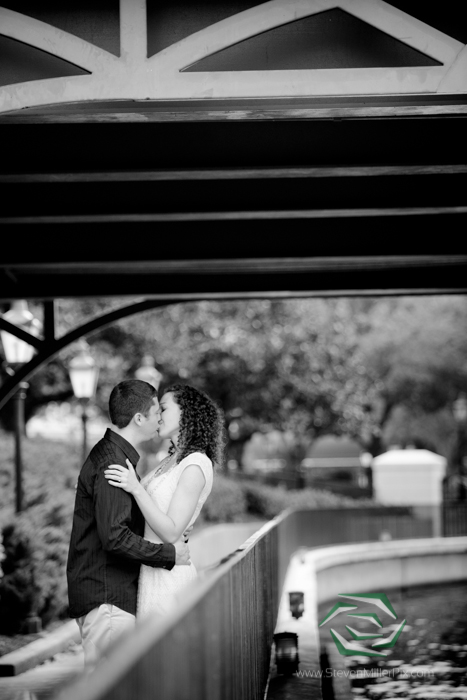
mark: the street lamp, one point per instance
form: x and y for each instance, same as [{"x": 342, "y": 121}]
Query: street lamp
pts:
[
  {"x": 17, "y": 353},
  {"x": 455, "y": 482},
  {"x": 459, "y": 409},
  {"x": 83, "y": 375},
  {"x": 147, "y": 372},
  {"x": 296, "y": 603}
]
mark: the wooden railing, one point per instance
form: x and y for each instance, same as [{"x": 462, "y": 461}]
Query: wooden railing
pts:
[
  {"x": 454, "y": 518},
  {"x": 217, "y": 645}
]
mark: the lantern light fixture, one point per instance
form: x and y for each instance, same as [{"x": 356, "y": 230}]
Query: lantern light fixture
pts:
[
  {"x": 460, "y": 408},
  {"x": 147, "y": 372},
  {"x": 18, "y": 351},
  {"x": 83, "y": 374},
  {"x": 287, "y": 659},
  {"x": 297, "y": 603}
]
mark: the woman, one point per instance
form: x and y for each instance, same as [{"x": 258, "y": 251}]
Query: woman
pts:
[{"x": 171, "y": 496}]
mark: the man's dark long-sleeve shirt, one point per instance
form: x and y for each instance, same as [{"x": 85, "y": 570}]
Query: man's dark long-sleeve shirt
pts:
[{"x": 107, "y": 547}]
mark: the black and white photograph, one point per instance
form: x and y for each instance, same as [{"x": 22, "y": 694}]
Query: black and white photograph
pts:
[{"x": 233, "y": 350}]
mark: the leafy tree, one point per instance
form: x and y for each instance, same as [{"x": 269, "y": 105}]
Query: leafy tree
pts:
[
  {"x": 293, "y": 365},
  {"x": 382, "y": 370},
  {"x": 417, "y": 347}
]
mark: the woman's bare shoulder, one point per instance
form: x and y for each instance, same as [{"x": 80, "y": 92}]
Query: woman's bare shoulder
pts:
[{"x": 196, "y": 458}]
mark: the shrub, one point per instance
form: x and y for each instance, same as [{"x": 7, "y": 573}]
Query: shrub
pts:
[
  {"x": 316, "y": 498},
  {"x": 226, "y": 502},
  {"x": 268, "y": 501},
  {"x": 233, "y": 501},
  {"x": 34, "y": 581},
  {"x": 36, "y": 541},
  {"x": 49, "y": 470},
  {"x": 265, "y": 501},
  {"x": 19, "y": 596}
]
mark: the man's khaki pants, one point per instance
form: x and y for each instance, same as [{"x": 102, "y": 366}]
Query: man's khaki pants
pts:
[{"x": 100, "y": 628}]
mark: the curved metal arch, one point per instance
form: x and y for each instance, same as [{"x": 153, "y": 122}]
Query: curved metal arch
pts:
[
  {"x": 50, "y": 347},
  {"x": 133, "y": 76}
]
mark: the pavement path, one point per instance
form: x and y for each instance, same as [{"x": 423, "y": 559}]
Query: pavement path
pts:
[
  {"x": 42, "y": 682},
  {"x": 39, "y": 669},
  {"x": 300, "y": 577}
]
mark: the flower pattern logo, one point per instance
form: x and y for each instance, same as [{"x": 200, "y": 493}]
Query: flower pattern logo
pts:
[{"x": 352, "y": 647}]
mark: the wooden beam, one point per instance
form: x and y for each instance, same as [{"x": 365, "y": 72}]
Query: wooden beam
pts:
[
  {"x": 233, "y": 114},
  {"x": 265, "y": 265},
  {"x": 233, "y": 216},
  {"x": 236, "y": 174},
  {"x": 133, "y": 32},
  {"x": 456, "y": 75},
  {"x": 446, "y": 280}
]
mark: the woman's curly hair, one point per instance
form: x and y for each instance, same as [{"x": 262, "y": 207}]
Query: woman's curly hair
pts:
[{"x": 201, "y": 424}]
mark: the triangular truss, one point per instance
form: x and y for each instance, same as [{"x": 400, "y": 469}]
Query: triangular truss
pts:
[{"x": 133, "y": 76}]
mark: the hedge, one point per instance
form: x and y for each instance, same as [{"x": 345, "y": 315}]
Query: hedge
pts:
[{"x": 36, "y": 540}]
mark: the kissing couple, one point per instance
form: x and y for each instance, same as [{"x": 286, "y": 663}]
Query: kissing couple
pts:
[{"x": 128, "y": 553}]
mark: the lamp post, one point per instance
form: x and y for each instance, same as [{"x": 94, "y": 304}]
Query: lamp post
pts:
[
  {"x": 297, "y": 603},
  {"x": 83, "y": 375},
  {"x": 18, "y": 353},
  {"x": 459, "y": 410},
  {"x": 454, "y": 483},
  {"x": 147, "y": 372}
]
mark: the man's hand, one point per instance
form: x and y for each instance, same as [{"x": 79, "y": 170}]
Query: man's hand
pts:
[
  {"x": 187, "y": 532},
  {"x": 182, "y": 554}
]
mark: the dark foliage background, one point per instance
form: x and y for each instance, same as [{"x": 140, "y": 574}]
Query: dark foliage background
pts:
[{"x": 381, "y": 370}]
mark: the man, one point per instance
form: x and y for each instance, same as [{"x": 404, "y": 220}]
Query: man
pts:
[{"x": 107, "y": 547}]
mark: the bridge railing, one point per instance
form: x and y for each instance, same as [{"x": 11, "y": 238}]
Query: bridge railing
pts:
[
  {"x": 454, "y": 518},
  {"x": 217, "y": 645}
]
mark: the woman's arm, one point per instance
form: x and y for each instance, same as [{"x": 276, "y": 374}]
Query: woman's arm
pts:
[{"x": 169, "y": 527}]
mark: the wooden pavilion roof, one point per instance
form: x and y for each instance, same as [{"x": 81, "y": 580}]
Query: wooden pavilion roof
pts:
[
  {"x": 232, "y": 148},
  {"x": 238, "y": 199}
]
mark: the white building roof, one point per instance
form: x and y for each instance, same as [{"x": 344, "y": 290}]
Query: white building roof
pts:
[
  {"x": 408, "y": 477},
  {"x": 399, "y": 458}
]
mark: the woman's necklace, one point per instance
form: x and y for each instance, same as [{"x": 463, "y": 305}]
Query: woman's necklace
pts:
[{"x": 166, "y": 463}]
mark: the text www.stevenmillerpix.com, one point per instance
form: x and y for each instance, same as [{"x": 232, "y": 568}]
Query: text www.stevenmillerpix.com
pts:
[{"x": 361, "y": 673}]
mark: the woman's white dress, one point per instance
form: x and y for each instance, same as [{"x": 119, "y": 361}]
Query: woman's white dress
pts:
[{"x": 158, "y": 588}]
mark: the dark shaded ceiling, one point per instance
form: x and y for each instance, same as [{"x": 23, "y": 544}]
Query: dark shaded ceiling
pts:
[{"x": 114, "y": 205}]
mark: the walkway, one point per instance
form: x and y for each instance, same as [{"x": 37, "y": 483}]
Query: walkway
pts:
[
  {"x": 42, "y": 666},
  {"x": 41, "y": 683},
  {"x": 300, "y": 577}
]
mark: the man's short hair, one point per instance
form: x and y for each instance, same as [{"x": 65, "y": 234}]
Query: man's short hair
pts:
[{"x": 128, "y": 398}]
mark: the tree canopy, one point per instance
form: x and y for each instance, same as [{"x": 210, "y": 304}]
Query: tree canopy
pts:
[{"x": 382, "y": 370}]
